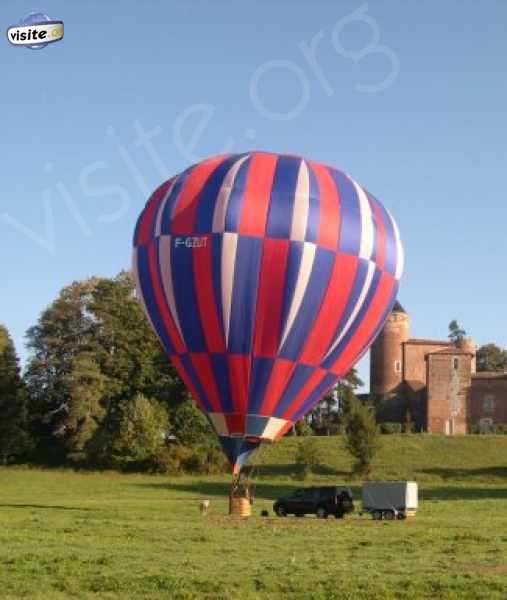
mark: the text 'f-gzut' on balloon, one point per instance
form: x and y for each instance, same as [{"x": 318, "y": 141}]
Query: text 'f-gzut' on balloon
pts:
[{"x": 266, "y": 277}]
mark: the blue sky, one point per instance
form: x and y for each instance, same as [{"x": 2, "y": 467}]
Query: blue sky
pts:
[{"x": 407, "y": 97}]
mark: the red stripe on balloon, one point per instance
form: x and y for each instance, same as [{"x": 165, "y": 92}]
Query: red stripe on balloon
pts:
[
  {"x": 144, "y": 229},
  {"x": 329, "y": 201},
  {"x": 270, "y": 297},
  {"x": 280, "y": 374},
  {"x": 203, "y": 277},
  {"x": 257, "y": 194},
  {"x": 239, "y": 378},
  {"x": 160, "y": 299},
  {"x": 356, "y": 346},
  {"x": 183, "y": 218},
  {"x": 331, "y": 310},
  {"x": 202, "y": 366}
]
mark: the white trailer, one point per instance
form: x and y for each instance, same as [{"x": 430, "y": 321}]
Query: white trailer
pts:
[{"x": 389, "y": 499}]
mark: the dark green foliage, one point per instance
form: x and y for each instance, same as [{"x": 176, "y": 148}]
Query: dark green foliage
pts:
[
  {"x": 135, "y": 436},
  {"x": 189, "y": 424},
  {"x": 93, "y": 355},
  {"x": 390, "y": 427},
  {"x": 491, "y": 357},
  {"x": 177, "y": 460},
  {"x": 308, "y": 456},
  {"x": 328, "y": 416},
  {"x": 14, "y": 438},
  {"x": 303, "y": 428},
  {"x": 361, "y": 436},
  {"x": 456, "y": 333}
]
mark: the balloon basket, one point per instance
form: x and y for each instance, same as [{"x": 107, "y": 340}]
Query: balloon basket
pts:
[
  {"x": 240, "y": 498},
  {"x": 240, "y": 506}
]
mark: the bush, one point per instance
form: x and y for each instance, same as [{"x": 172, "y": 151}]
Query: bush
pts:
[
  {"x": 303, "y": 428},
  {"x": 308, "y": 456},
  {"x": 177, "y": 460},
  {"x": 390, "y": 427},
  {"x": 361, "y": 436}
]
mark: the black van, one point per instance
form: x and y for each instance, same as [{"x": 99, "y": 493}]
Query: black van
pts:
[{"x": 320, "y": 501}]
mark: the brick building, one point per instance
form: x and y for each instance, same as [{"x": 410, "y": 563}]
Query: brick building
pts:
[{"x": 436, "y": 380}]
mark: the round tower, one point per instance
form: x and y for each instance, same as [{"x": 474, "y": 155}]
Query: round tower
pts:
[
  {"x": 469, "y": 345},
  {"x": 386, "y": 359}
]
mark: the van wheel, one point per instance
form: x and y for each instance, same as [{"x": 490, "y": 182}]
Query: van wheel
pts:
[
  {"x": 389, "y": 515},
  {"x": 281, "y": 511},
  {"x": 321, "y": 513},
  {"x": 339, "y": 515},
  {"x": 376, "y": 515},
  {"x": 300, "y": 515}
]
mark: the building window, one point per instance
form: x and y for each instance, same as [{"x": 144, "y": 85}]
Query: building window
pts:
[
  {"x": 397, "y": 366},
  {"x": 455, "y": 363},
  {"x": 488, "y": 403}
]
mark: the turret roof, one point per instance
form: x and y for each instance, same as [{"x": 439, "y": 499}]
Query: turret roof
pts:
[{"x": 398, "y": 308}]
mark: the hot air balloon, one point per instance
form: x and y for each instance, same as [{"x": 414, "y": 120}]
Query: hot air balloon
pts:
[{"x": 266, "y": 277}]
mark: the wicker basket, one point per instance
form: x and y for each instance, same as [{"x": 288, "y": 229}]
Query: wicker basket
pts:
[{"x": 240, "y": 506}]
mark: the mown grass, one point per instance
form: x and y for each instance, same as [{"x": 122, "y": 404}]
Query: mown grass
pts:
[{"x": 107, "y": 535}]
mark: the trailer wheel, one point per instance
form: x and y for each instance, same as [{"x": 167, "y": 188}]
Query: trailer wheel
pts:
[
  {"x": 401, "y": 516},
  {"x": 389, "y": 515},
  {"x": 376, "y": 515}
]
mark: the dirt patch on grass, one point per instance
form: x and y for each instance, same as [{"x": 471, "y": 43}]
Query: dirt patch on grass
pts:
[{"x": 483, "y": 568}]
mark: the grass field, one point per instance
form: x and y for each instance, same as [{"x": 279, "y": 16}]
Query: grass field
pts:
[{"x": 107, "y": 535}]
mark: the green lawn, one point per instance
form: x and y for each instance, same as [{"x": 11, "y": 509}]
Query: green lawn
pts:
[{"x": 106, "y": 535}]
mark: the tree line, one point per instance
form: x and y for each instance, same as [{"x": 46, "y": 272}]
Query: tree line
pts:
[{"x": 98, "y": 391}]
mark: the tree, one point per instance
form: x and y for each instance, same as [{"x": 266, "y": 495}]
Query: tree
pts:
[
  {"x": 456, "y": 333},
  {"x": 329, "y": 414},
  {"x": 84, "y": 411},
  {"x": 139, "y": 433},
  {"x": 91, "y": 349},
  {"x": 308, "y": 456},
  {"x": 189, "y": 425},
  {"x": 491, "y": 357},
  {"x": 14, "y": 438},
  {"x": 63, "y": 332},
  {"x": 361, "y": 438}
]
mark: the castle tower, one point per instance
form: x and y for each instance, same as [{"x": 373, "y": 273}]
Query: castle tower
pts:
[
  {"x": 386, "y": 359},
  {"x": 469, "y": 345}
]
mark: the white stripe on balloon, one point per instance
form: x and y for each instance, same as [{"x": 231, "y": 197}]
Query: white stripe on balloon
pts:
[
  {"x": 228, "y": 262},
  {"x": 223, "y": 196},
  {"x": 165, "y": 246},
  {"x": 301, "y": 205}
]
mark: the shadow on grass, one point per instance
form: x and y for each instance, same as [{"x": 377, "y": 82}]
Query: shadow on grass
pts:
[
  {"x": 263, "y": 490},
  {"x": 465, "y": 474},
  {"x": 462, "y": 493},
  {"x": 47, "y": 506},
  {"x": 291, "y": 470}
]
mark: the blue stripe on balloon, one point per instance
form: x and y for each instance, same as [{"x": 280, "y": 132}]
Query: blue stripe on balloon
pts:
[
  {"x": 328, "y": 382},
  {"x": 298, "y": 379},
  {"x": 221, "y": 374},
  {"x": 312, "y": 227},
  {"x": 236, "y": 198},
  {"x": 244, "y": 294},
  {"x": 209, "y": 195},
  {"x": 194, "y": 378},
  {"x": 281, "y": 202},
  {"x": 355, "y": 292},
  {"x": 165, "y": 225},
  {"x": 317, "y": 285},
  {"x": 260, "y": 373},
  {"x": 185, "y": 296},
  {"x": 291, "y": 276},
  {"x": 357, "y": 321},
  {"x": 143, "y": 271},
  {"x": 350, "y": 214}
]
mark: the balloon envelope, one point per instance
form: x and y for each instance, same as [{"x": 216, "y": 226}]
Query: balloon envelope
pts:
[{"x": 266, "y": 277}]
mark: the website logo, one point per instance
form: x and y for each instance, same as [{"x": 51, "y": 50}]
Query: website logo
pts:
[{"x": 35, "y": 31}]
